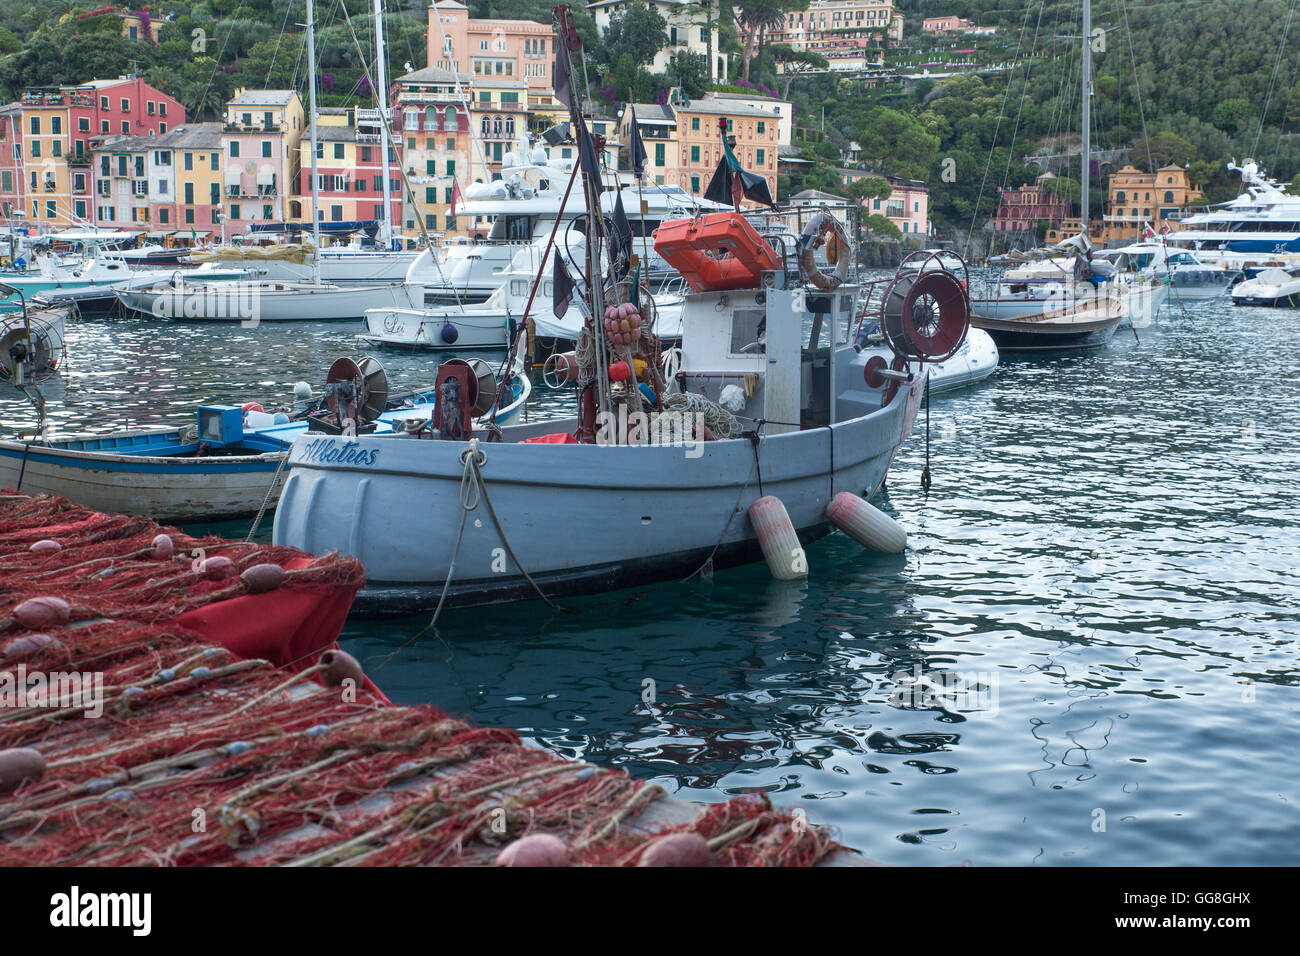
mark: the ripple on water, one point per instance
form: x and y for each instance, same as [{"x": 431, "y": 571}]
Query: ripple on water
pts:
[{"x": 1110, "y": 545}]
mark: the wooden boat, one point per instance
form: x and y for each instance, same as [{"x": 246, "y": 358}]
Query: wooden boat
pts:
[
  {"x": 189, "y": 473},
  {"x": 156, "y": 472},
  {"x": 1076, "y": 328}
]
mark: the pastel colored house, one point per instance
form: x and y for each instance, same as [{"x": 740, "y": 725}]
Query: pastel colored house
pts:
[
  {"x": 58, "y": 125},
  {"x": 260, "y": 140},
  {"x": 686, "y": 31},
  {"x": 434, "y": 123},
  {"x": 522, "y": 50}
]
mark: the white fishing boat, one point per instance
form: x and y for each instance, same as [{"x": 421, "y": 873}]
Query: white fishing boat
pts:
[
  {"x": 1279, "y": 288},
  {"x": 773, "y": 414}
]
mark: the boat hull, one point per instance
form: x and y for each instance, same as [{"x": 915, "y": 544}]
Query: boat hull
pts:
[
  {"x": 1074, "y": 333},
  {"x": 975, "y": 361},
  {"x": 256, "y": 302},
  {"x": 579, "y": 518},
  {"x": 163, "y": 488},
  {"x": 418, "y": 329}
]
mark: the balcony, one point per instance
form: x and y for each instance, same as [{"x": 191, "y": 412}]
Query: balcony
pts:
[{"x": 75, "y": 160}]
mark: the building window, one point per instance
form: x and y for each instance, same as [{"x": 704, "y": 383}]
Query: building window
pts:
[
  {"x": 695, "y": 123},
  {"x": 234, "y": 149},
  {"x": 36, "y": 126},
  {"x": 126, "y": 127},
  {"x": 266, "y": 212},
  {"x": 266, "y": 147},
  {"x": 234, "y": 210},
  {"x": 695, "y": 154},
  {"x": 759, "y": 157},
  {"x": 762, "y": 126},
  {"x": 338, "y": 150},
  {"x": 659, "y": 154}
]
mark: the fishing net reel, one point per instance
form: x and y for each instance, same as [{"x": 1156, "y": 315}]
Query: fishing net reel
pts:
[
  {"x": 30, "y": 350},
  {"x": 925, "y": 312},
  {"x": 355, "y": 395}
]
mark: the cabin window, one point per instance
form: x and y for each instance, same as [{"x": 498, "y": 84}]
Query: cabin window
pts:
[{"x": 747, "y": 325}]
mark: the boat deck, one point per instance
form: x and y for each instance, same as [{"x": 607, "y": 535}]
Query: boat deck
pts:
[{"x": 223, "y": 740}]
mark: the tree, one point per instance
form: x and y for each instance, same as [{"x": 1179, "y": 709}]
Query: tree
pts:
[
  {"x": 639, "y": 31},
  {"x": 795, "y": 63},
  {"x": 753, "y": 17},
  {"x": 894, "y": 142},
  {"x": 870, "y": 187},
  {"x": 690, "y": 71},
  {"x": 880, "y": 227},
  {"x": 1164, "y": 148}
]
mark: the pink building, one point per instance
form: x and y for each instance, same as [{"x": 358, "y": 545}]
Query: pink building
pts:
[
  {"x": 908, "y": 205},
  {"x": 260, "y": 143},
  {"x": 11, "y": 161},
  {"x": 508, "y": 50},
  {"x": 57, "y": 126},
  {"x": 349, "y": 167}
]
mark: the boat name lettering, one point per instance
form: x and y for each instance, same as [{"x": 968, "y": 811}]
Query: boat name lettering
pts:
[{"x": 326, "y": 451}]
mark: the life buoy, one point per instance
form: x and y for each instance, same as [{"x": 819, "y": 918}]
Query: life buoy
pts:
[{"x": 825, "y": 229}]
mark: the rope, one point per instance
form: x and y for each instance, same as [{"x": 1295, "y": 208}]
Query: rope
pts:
[
  {"x": 717, "y": 419},
  {"x": 284, "y": 456}
]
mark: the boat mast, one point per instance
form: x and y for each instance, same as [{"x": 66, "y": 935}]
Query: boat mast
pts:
[
  {"x": 381, "y": 94},
  {"x": 311, "y": 100},
  {"x": 1087, "y": 116}
]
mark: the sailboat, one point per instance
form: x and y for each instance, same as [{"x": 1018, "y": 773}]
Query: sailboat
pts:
[
  {"x": 1065, "y": 300},
  {"x": 260, "y": 301}
]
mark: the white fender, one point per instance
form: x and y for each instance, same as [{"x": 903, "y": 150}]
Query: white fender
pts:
[
  {"x": 776, "y": 536},
  {"x": 866, "y": 524}
]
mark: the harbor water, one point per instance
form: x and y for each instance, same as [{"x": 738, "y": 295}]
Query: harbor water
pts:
[{"x": 1087, "y": 655}]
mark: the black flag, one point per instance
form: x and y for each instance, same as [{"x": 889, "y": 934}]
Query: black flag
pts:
[
  {"x": 561, "y": 73},
  {"x": 562, "y": 287},
  {"x": 587, "y": 155},
  {"x": 730, "y": 182},
  {"x": 639, "y": 157},
  {"x": 621, "y": 234}
]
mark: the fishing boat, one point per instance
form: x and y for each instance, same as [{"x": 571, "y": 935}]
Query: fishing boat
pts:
[
  {"x": 230, "y": 462},
  {"x": 1275, "y": 287},
  {"x": 773, "y": 412}
]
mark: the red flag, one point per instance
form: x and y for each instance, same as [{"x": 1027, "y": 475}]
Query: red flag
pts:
[
  {"x": 1146, "y": 231},
  {"x": 455, "y": 194},
  {"x": 1165, "y": 229}
]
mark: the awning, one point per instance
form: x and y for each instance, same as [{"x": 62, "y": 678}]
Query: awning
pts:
[
  {"x": 159, "y": 234},
  {"x": 265, "y": 177},
  {"x": 233, "y": 177}
]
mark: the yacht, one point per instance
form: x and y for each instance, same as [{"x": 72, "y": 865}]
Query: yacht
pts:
[
  {"x": 1260, "y": 228},
  {"x": 1186, "y": 276},
  {"x": 1274, "y": 287}
]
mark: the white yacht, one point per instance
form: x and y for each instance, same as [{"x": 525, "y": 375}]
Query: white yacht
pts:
[
  {"x": 1186, "y": 276},
  {"x": 1275, "y": 287},
  {"x": 1260, "y": 228}
]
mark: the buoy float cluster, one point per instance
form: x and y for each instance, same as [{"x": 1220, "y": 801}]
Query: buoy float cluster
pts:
[
  {"x": 672, "y": 849},
  {"x": 623, "y": 324},
  {"x": 861, "y": 521}
]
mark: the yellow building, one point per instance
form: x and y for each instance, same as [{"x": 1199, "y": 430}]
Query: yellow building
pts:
[
  {"x": 433, "y": 123},
  {"x": 700, "y": 143},
  {"x": 1138, "y": 200},
  {"x": 197, "y": 155},
  {"x": 499, "y": 117}
]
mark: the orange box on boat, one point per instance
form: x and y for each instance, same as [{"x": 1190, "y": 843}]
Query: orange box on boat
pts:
[{"x": 716, "y": 252}]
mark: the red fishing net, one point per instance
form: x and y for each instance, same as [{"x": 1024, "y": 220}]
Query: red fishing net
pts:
[{"x": 175, "y": 746}]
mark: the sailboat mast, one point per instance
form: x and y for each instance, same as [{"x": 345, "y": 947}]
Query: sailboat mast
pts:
[
  {"x": 1086, "y": 115},
  {"x": 311, "y": 101},
  {"x": 381, "y": 94}
]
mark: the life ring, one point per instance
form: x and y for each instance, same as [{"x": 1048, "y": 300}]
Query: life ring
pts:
[{"x": 824, "y": 228}]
